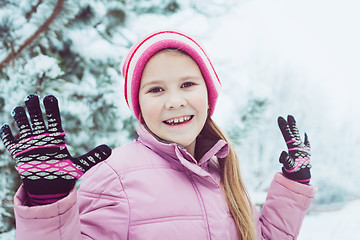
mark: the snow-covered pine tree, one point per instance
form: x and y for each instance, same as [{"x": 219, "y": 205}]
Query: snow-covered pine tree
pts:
[{"x": 71, "y": 49}]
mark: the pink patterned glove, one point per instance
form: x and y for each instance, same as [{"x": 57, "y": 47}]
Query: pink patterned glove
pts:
[
  {"x": 46, "y": 168},
  {"x": 296, "y": 163}
]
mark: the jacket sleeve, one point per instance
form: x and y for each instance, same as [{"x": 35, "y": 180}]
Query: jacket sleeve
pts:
[
  {"x": 59, "y": 220},
  {"x": 98, "y": 211},
  {"x": 103, "y": 204},
  {"x": 284, "y": 210}
]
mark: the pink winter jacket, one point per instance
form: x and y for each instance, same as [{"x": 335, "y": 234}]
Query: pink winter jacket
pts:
[{"x": 154, "y": 190}]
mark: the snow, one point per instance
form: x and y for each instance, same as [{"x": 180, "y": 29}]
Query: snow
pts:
[
  {"x": 8, "y": 235},
  {"x": 43, "y": 64},
  {"x": 87, "y": 42},
  {"x": 333, "y": 225}
]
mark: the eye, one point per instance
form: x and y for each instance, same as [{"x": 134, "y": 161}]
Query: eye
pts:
[
  {"x": 187, "y": 84},
  {"x": 156, "y": 90}
]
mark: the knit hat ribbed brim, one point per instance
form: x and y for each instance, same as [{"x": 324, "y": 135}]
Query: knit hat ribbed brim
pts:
[{"x": 133, "y": 65}]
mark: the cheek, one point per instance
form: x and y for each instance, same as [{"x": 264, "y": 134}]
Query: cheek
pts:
[
  {"x": 200, "y": 102},
  {"x": 149, "y": 109}
]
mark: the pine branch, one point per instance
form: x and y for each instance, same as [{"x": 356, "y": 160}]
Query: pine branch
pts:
[
  {"x": 33, "y": 10},
  {"x": 12, "y": 55}
]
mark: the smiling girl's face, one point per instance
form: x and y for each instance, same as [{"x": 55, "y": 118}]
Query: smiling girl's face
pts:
[{"x": 173, "y": 98}]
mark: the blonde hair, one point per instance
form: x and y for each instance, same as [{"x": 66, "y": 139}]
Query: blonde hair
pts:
[{"x": 237, "y": 197}]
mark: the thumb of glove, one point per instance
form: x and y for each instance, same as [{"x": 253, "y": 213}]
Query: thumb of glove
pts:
[
  {"x": 286, "y": 160},
  {"x": 90, "y": 159}
]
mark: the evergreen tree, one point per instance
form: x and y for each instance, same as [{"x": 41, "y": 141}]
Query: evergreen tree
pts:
[{"x": 73, "y": 49}]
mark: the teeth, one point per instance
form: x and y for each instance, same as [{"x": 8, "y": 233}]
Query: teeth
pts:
[{"x": 178, "y": 120}]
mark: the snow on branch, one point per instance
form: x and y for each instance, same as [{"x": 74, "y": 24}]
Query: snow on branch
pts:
[{"x": 12, "y": 55}]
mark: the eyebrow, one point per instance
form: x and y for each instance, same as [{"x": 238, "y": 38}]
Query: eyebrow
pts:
[
  {"x": 190, "y": 77},
  {"x": 158, "y": 82},
  {"x": 153, "y": 82}
]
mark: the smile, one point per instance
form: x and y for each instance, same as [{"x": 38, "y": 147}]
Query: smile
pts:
[{"x": 178, "y": 120}]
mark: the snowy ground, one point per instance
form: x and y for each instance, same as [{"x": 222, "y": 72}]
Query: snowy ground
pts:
[{"x": 341, "y": 224}]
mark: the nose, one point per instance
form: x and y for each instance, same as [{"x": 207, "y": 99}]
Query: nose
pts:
[{"x": 175, "y": 101}]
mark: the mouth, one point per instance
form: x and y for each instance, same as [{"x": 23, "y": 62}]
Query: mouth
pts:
[{"x": 178, "y": 120}]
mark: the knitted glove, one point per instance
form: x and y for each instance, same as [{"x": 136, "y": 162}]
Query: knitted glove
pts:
[
  {"x": 296, "y": 163},
  {"x": 46, "y": 168}
]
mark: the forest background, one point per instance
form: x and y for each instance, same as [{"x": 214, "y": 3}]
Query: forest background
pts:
[{"x": 273, "y": 58}]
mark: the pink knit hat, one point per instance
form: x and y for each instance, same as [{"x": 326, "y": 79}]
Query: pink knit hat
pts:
[{"x": 133, "y": 65}]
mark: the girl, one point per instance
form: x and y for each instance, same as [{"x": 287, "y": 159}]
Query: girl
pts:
[{"x": 179, "y": 180}]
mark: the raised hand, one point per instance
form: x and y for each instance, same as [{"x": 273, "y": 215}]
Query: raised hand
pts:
[
  {"x": 46, "y": 168},
  {"x": 296, "y": 162}
]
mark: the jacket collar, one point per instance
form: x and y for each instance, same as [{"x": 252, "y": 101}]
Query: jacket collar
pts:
[{"x": 206, "y": 149}]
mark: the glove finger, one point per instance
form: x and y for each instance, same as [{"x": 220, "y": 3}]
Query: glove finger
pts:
[
  {"x": 52, "y": 113},
  {"x": 6, "y": 136},
  {"x": 90, "y": 159},
  {"x": 307, "y": 142},
  {"x": 285, "y": 130},
  {"x": 286, "y": 160},
  {"x": 293, "y": 128},
  {"x": 22, "y": 122},
  {"x": 37, "y": 122}
]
